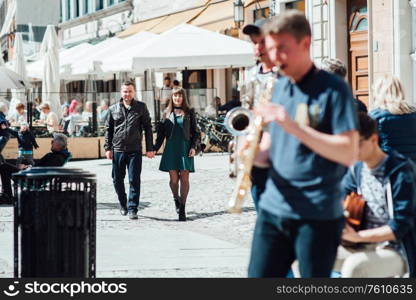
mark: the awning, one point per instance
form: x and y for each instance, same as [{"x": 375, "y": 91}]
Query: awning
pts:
[
  {"x": 216, "y": 17},
  {"x": 193, "y": 48},
  {"x": 141, "y": 26},
  {"x": 162, "y": 24},
  {"x": 11, "y": 13},
  {"x": 174, "y": 20}
]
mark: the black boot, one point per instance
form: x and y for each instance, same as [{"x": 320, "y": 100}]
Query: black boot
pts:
[
  {"x": 182, "y": 215},
  {"x": 177, "y": 203}
]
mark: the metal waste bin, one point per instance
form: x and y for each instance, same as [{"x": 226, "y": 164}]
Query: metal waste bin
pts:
[{"x": 54, "y": 223}]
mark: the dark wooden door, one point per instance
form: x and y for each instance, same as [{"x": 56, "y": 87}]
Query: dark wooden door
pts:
[{"x": 358, "y": 48}]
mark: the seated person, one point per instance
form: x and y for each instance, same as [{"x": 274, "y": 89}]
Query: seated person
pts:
[
  {"x": 74, "y": 119},
  {"x": 19, "y": 116},
  {"x": 50, "y": 118},
  {"x": 58, "y": 156},
  {"x": 387, "y": 237},
  {"x": 4, "y": 127},
  {"x": 102, "y": 112},
  {"x": 64, "y": 121},
  {"x": 86, "y": 118}
]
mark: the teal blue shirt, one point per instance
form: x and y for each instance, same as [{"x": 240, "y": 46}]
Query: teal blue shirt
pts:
[{"x": 301, "y": 183}]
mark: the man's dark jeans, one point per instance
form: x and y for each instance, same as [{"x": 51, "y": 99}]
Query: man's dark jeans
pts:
[
  {"x": 3, "y": 142},
  {"x": 132, "y": 161},
  {"x": 278, "y": 242},
  {"x": 258, "y": 184},
  {"x": 6, "y": 171}
]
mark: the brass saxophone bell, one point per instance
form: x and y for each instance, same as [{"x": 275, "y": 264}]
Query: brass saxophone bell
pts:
[{"x": 238, "y": 121}]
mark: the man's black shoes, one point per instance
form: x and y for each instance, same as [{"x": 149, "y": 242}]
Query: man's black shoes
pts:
[
  {"x": 133, "y": 215},
  {"x": 123, "y": 211}
]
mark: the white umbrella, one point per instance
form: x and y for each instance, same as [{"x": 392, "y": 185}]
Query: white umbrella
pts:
[
  {"x": 19, "y": 66},
  {"x": 50, "y": 77},
  {"x": 11, "y": 80},
  {"x": 187, "y": 46}
]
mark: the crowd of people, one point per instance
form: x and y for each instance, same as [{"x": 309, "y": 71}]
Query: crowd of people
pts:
[{"x": 73, "y": 119}]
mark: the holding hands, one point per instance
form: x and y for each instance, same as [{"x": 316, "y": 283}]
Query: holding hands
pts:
[
  {"x": 150, "y": 154},
  {"x": 192, "y": 152}
]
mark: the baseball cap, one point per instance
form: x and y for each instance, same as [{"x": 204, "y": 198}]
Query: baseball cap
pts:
[{"x": 254, "y": 28}]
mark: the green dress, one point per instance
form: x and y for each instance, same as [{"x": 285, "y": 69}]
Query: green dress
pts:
[{"x": 176, "y": 153}]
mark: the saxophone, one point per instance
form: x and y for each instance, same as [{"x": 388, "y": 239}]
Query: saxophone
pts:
[{"x": 253, "y": 131}]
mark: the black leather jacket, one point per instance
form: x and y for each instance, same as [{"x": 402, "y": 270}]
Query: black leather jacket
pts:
[
  {"x": 190, "y": 130},
  {"x": 124, "y": 127}
]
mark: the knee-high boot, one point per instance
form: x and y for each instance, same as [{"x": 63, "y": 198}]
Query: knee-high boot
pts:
[{"x": 182, "y": 214}]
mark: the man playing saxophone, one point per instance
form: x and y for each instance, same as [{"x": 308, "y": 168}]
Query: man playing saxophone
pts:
[
  {"x": 257, "y": 78},
  {"x": 313, "y": 128}
]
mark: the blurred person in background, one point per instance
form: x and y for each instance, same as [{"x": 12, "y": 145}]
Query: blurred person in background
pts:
[
  {"x": 102, "y": 111},
  {"x": 337, "y": 67},
  {"x": 165, "y": 94},
  {"x": 51, "y": 119},
  {"x": 396, "y": 117},
  {"x": 4, "y": 127},
  {"x": 175, "y": 84},
  {"x": 73, "y": 107},
  {"x": 19, "y": 116},
  {"x": 26, "y": 142}
]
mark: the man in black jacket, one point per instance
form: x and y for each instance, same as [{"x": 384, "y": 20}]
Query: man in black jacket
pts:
[
  {"x": 58, "y": 156},
  {"x": 125, "y": 122}
]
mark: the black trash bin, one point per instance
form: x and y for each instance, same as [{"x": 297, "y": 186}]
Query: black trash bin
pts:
[{"x": 54, "y": 223}]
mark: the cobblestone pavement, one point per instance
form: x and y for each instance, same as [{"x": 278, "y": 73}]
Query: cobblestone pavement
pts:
[{"x": 210, "y": 190}]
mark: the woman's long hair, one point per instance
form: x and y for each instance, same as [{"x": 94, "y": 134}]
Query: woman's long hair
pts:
[
  {"x": 388, "y": 94},
  {"x": 185, "y": 106}
]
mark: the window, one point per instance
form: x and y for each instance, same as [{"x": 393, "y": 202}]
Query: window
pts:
[
  {"x": 298, "y": 4},
  {"x": 76, "y": 9},
  {"x": 111, "y": 2},
  {"x": 86, "y": 7},
  {"x": 99, "y": 4},
  {"x": 68, "y": 10},
  {"x": 261, "y": 13}
]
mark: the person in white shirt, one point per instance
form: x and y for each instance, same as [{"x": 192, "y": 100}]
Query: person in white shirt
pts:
[
  {"x": 19, "y": 116},
  {"x": 51, "y": 119}
]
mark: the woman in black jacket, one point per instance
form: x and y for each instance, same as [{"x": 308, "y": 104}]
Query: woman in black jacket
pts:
[{"x": 179, "y": 129}]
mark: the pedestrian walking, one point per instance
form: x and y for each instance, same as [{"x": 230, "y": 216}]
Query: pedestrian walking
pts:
[
  {"x": 179, "y": 129},
  {"x": 313, "y": 127},
  {"x": 396, "y": 118},
  {"x": 165, "y": 95},
  {"x": 124, "y": 126}
]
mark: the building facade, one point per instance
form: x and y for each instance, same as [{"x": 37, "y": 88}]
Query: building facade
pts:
[
  {"x": 29, "y": 18},
  {"x": 373, "y": 37},
  {"x": 93, "y": 20}
]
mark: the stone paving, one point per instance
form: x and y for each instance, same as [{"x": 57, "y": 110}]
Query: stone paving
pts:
[{"x": 212, "y": 243}]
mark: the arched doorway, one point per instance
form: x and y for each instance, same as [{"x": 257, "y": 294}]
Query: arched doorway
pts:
[{"x": 358, "y": 48}]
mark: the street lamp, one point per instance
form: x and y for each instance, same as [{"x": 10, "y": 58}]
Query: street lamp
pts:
[{"x": 238, "y": 13}]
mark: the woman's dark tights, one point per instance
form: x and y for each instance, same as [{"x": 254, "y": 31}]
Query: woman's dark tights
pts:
[{"x": 181, "y": 177}]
